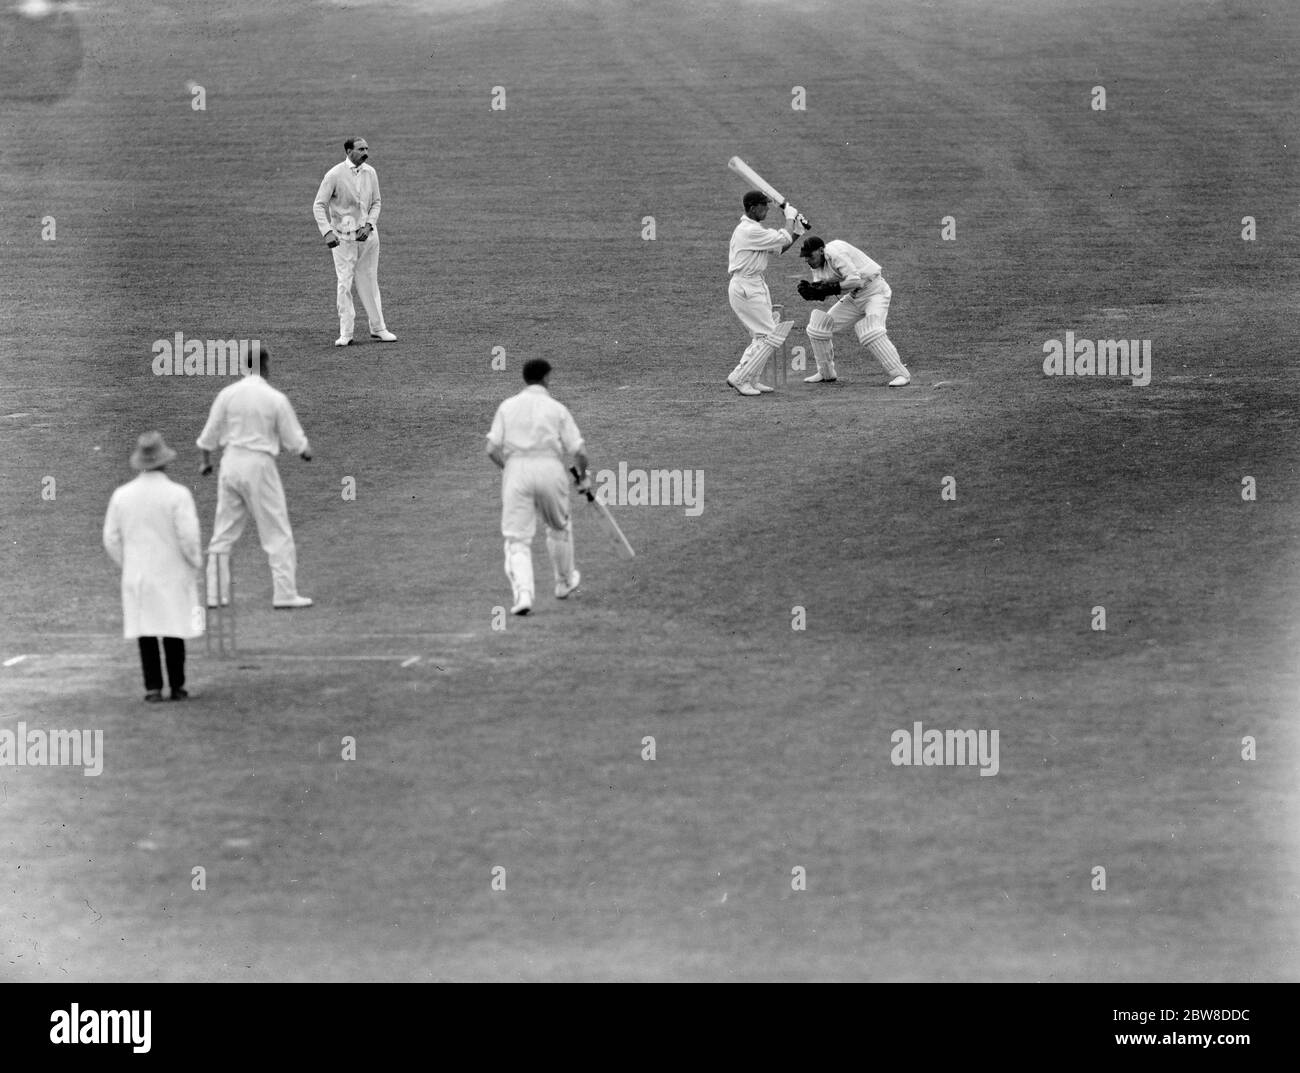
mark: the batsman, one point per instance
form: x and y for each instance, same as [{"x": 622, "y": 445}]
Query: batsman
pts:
[
  {"x": 844, "y": 270},
  {"x": 751, "y": 244},
  {"x": 530, "y": 437}
]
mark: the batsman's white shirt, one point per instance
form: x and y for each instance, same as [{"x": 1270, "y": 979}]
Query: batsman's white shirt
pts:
[
  {"x": 751, "y": 245},
  {"x": 348, "y": 198},
  {"x": 751, "y": 301},
  {"x": 534, "y": 434}
]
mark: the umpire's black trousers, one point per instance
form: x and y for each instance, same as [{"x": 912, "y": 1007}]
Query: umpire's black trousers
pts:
[{"x": 174, "y": 647}]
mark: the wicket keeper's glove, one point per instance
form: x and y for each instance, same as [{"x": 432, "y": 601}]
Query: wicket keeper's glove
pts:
[{"x": 815, "y": 290}]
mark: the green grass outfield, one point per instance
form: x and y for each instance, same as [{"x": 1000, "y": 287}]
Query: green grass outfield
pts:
[{"x": 521, "y": 229}]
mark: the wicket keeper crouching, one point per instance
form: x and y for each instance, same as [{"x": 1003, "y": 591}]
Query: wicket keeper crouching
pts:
[
  {"x": 530, "y": 436},
  {"x": 841, "y": 269}
]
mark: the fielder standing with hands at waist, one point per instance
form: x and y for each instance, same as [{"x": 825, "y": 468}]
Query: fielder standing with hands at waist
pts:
[
  {"x": 751, "y": 244},
  {"x": 347, "y": 213}
]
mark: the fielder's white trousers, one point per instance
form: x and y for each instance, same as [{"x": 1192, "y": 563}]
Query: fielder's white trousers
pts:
[
  {"x": 358, "y": 262},
  {"x": 249, "y": 483}
]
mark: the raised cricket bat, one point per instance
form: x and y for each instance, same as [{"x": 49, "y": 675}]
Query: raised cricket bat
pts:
[
  {"x": 606, "y": 521},
  {"x": 759, "y": 183}
]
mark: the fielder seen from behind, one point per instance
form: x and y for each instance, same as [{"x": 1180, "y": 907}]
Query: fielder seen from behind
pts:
[
  {"x": 841, "y": 269},
  {"x": 530, "y": 436},
  {"x": 751, "y": 244}
]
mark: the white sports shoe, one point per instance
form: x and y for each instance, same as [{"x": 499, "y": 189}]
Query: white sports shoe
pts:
[
  {"x": 343, "y": 340},
  {"x": 523, "y": 605},
  {"x": 563, "y": 588},
  {"x": 761, "y": 387},
  {"x": 385, "y": 336},
  {"x": 292, "y": 603},
  {"x": 744, "y": 389},
  {"x": 817, "y": 378},
  {"x": 901, "y": 381}
]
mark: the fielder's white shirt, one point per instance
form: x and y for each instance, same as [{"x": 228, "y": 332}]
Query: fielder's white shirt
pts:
[
  {"x": 347, "y": 199},
  {"x": 253, "y": 415},
  {"x": 533, "y": 423},
  {"x": 844, "y": 262},
  {"x": 751, "y": 244}
]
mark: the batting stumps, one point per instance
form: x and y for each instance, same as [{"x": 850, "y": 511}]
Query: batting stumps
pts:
[{"x": 219, "y": 637}]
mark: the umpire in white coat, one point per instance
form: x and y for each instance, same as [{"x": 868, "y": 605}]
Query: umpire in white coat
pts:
[{"x": 151, "y": 531}]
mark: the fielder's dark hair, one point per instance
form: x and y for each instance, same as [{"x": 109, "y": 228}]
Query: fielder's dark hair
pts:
[
  {"x": 754, "y": 197},
  {"x": 810, "y": 245},
  {"x": 347, "y": 145},
  {"x": 536, "y": 370},
  {"x": 263, "y": 360}
]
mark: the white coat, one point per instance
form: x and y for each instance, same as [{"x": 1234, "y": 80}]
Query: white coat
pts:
[{"x": 152, "y": 532}]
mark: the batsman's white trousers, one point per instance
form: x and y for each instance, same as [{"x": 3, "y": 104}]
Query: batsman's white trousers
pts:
[
  {"x": 249, "y": 483},
  {"x": 358, "y": 262},
  {"x": 533, "y": 485},
  {"x": 752, "y": 303}
]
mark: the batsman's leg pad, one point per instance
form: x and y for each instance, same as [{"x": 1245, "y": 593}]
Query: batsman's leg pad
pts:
[
  {"x": 559, "y": 544},
  {"x": 880, "y": 347},
  {"x": 760, "y": 350},
  {"x": 820, "y": 332},
  {"x": 519, "y": 567},
  {"x": 776, "y": 337},
  {"x": 739, "y": 374}
]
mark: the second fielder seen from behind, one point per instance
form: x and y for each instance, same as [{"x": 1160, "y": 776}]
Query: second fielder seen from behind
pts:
[
  {"x": 841, "y": 269},
  {"x": 530, "y": 437}
]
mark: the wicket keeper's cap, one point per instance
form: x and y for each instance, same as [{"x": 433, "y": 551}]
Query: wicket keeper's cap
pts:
[
  {"x": 151, "y": 452},
  {"x": 754, "y": 197}
]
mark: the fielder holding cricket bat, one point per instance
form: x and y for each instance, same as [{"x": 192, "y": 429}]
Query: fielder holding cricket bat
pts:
[
  {"x": 751, "y": 244},
  {"x": 530, "y": 436}
]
